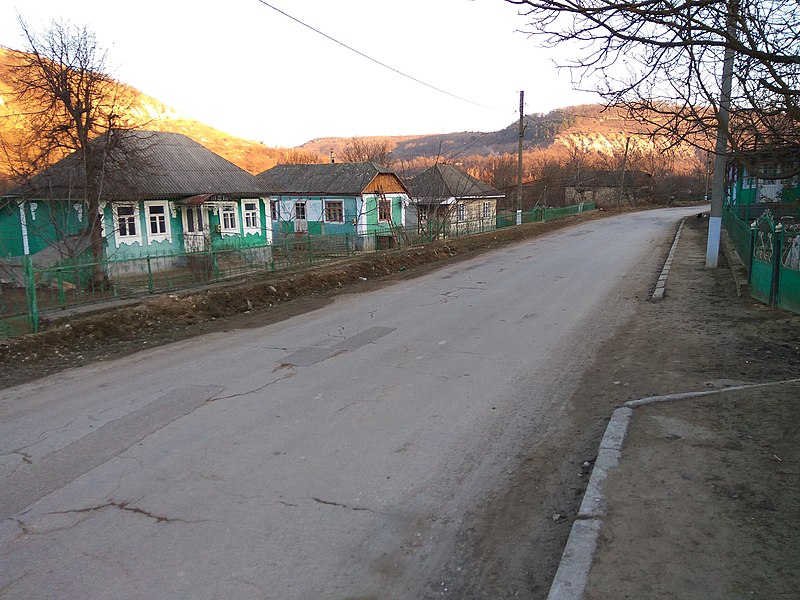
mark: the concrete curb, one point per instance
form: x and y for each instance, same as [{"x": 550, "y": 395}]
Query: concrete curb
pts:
[
  {"x": 572, "y": 575},
  {"x": 661, "y": 285}
]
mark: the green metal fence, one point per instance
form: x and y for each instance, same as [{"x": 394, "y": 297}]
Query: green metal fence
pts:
[
  {"x": 81, "y": 281},
  {"x": 770, "y": 250},
  {"x": 787, "y": 294}
]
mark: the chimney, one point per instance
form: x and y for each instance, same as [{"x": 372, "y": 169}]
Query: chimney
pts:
[{"x": 333, "y": 160}]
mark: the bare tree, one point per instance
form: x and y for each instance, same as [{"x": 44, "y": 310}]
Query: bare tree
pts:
[
  {"x": 67, "y": 101},
  {"x": 297, "y": 156},
  {"x": 361, "y": 150},
  {"x": 662, "y": 59}
]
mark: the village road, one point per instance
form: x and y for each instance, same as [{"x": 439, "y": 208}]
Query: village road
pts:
[{"x": 338, "y": 454}]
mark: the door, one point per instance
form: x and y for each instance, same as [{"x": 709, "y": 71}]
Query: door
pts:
[
  {"x": 195, "y": 229},
  {"x": 300, "y": 220}
]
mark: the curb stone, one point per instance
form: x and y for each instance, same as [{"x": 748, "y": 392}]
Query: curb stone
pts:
[
  {"x": 572, "y": 575},
  {"x": 661, "y": 286}
]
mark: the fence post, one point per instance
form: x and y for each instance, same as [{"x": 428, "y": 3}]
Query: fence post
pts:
[
  {"x": 310, "y": 249},
  {"x": 347, "y": 244},
  {"x": 214, "y": 266},
  {"x": 60, "y": 274},
  {"x": 30, "y": 295},
  {"x": 777, "y": 254},
  {"x": 149, "y": 276},
  {"x": 752, "y": 254}
]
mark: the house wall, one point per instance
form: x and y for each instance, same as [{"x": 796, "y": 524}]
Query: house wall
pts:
[
  {"x": 370, "y": 223},
  {"x": 386, "y": 183},
  {"x": 119, "y": 247},
  {"x": 315, "y": 215},
  {"x": 242, "y": 235},
  {"x": 752, "y": 190},
  {"x": 46, "y": 223}
]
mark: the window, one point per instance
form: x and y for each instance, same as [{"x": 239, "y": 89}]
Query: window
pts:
[
  {"x": 126, "y": 221},
  {"x": 334, "y": 211},
  {"x": 127, "y": 226},
  {"x": 384, "y": 209},
  {"x": 487, "y": 210},
  {"x": 157, "y": 221},
  {"x": 157, "y": 216},
  {"x": 461, "y": 212},
  {"x": 273, "y": 209},
  {"x": 300, "y": 211},
  {"x": 228, "y": 218},
  {"x": 250, "y": 215}
]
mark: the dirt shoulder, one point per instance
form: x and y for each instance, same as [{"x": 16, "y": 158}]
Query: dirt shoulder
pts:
[
  {"x": 699, "y": 337},
  {"x": 705, "y": 502}
]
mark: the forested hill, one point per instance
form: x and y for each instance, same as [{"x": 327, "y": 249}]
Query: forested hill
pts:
[{"x": 578, "y": 129}]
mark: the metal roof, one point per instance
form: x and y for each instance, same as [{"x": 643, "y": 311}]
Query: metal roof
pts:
[
  {"x": 346, "y": 179},
  {"x": 445, "y": 181},
  {"x": 147, "y": 164}
]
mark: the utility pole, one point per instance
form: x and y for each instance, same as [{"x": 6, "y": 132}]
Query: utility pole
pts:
[
  {"x": 519, "y": 155},
  {"x": 622, "y": 177},
  {"x": 721, "y": 149}
]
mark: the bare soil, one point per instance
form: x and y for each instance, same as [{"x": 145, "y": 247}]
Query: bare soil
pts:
[{"x": 702, "y": 335}]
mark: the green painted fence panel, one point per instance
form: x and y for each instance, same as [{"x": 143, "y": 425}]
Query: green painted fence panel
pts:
[
  {"x": 762, "y": 263},
  {"x": 788, "y": 296}
]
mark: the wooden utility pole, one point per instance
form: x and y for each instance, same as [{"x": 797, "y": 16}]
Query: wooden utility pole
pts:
[
  {"x": 622, "y": 177},
  {"x": 519, "y": 153}
]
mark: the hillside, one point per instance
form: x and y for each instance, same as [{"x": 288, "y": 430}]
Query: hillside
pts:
[
  {"x": 555, "y": 137},
  {"x": 577, "y": 130},
  {"x": 148, "y": 113}
]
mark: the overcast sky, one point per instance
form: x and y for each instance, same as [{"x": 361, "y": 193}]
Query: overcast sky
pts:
[{"x": 248, "y": 70}]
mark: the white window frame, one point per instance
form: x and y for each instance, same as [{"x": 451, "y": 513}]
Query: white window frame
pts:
[
  {"x": 225, "y": 226},
  {"x": 162, "y": 236},
  {"x": 461, "y": 212},
  {"x": 487, "y": 210},
  {"x": 251, "y": 218},
  {"x": 126, "y": 239}
]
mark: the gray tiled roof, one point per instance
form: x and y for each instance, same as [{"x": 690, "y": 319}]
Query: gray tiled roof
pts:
[
  {"x": 149, "y": 164},
  {"x": 445, "y": 181},
  {"x": 347, "y": 179}
]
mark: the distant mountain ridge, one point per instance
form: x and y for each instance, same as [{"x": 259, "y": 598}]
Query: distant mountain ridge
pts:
[{"x": 590, "y": 127}]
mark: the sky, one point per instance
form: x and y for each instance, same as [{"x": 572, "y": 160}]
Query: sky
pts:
[{"x": 250, "y": 71}]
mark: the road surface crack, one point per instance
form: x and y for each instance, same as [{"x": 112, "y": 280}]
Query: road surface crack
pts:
[
  {"x": 288, "y": 375},
  {"x": 26, "y": 458},
  {"x": 340, "y": 505},
  {"x": 126, "y": 506}
]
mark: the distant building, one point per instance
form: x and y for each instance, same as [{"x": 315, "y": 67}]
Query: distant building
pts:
[
  {"x": 363, "y": 199},
  {"x": 453, "y": 201}
]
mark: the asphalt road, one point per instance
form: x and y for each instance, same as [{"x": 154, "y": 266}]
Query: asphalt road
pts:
[{"x": 334, "y": 455}]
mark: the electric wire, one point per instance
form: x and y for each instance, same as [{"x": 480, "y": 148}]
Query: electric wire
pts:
[{"x": 376, "y": 61}]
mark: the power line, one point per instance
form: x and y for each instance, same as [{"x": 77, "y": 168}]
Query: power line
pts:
[{"x": 376, "y": 61}]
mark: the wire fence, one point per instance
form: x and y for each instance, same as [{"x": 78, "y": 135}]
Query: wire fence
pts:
[{"x": 30, "y": 290}]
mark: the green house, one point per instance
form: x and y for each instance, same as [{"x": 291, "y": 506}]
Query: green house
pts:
[
  {"x": 764, "y": 178},
  {"x": 161, "y": 194},
  {"x": 365, "y": 200}
]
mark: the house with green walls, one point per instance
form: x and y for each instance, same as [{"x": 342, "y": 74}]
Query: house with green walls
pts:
[
  {"x": 767, "y": 177},
  {"x": 161, "y": 194},
  {"x": 366, "y": 200}
]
